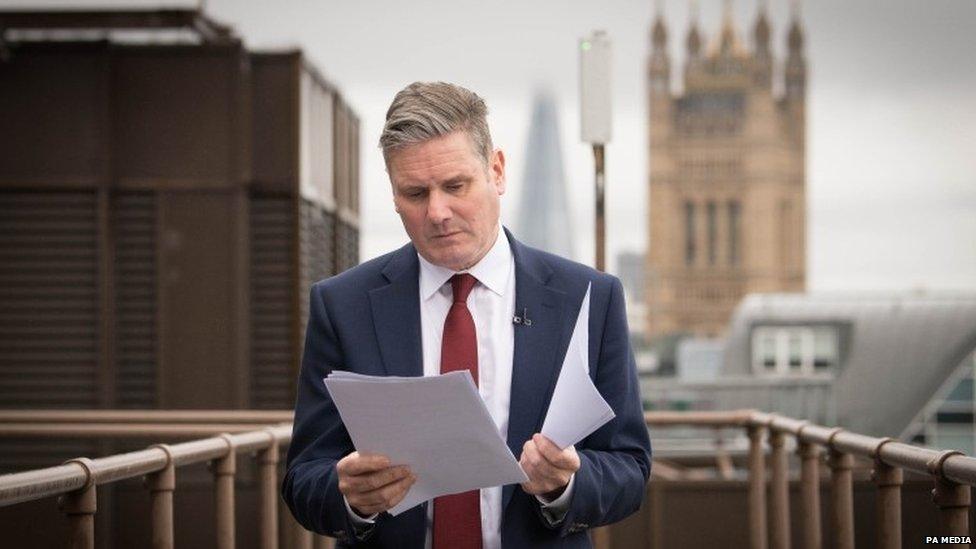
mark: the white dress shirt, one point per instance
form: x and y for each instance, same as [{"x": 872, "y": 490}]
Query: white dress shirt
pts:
[{"x": 492, "y": 306}]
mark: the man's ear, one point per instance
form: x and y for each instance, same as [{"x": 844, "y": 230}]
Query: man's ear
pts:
[
  {"x": 393, "y": 195},
  {"x": 497, "y": 170}
]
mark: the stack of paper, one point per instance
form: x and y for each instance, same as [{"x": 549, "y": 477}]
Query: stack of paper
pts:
[{"x": 439, "y": 426}]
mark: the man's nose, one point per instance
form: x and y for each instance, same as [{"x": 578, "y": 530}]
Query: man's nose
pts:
[{"x": 438, "y": 208}]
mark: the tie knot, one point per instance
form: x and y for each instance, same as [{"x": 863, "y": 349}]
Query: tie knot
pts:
[{"x": 462, "y": 284}]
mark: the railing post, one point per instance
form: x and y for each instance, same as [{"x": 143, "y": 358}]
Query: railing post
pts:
[
  {"x": 268, "y": 464},
  {"x": 888, "y": 479},
  {"x": 80, "y": 506},
  {"x": 952, "y": 499},
  {"x": 300, "y": 538},
  {"x": 601, "y": 537},
  {"x": 810, "y": 493},
  {"x": 780, "y": 495},
  {"x": 297, "y": 537},
  {"x": 224, "y": 469},
  {"x": 723, "y": 461},
  {"x": 161, "y": 485},
  {"x": 757, "y": 488},
  {"x": 842, "y": 495},
  {"x": 324, "y": 542}
]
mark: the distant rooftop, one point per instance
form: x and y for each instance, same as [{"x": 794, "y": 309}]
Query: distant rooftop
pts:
[{"x": 897, "y": 349}]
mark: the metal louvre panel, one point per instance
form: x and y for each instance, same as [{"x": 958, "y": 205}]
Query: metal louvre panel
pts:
[
  {"x": 316, "y": 244},
  {"x": 136, "y": 353},
  {"x": 48, "y": 300},
  {"x": 347, "y": 240},
  {"x": 271, "y": 227},
  {"x": 316, "y": 256}
]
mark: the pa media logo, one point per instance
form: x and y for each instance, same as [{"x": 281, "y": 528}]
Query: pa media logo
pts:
[{"x": 948, "y": 539}]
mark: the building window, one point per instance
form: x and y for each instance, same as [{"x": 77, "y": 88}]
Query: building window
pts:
[
  {"x": 794, "y": 350},
  {"x": 795, "y": 340},
  {"x": 765, "y": 349},
  {"x": 689, "y": 234},
  {"x": 825, "y": 349},
  {"x": 712, "y": 234},
  {"x": 733, "y": 232}
]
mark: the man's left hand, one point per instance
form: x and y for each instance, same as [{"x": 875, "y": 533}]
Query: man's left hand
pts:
[{"x": 548, "y": 468}]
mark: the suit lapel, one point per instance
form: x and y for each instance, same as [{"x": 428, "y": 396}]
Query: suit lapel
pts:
[
  {"x": 539, "y": 349},
  {"x": 396, "y": 315}
]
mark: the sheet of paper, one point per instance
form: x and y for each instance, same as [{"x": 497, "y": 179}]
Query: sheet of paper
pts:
[
  {"x": 577, "y": 408},
  {"x": 437, "y": 425}
]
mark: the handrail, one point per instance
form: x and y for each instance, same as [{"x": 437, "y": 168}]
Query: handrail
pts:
[
  {"x": 78, "y": 479},
  {"x": 956, "y": 467},
  {"x": 260, "y": 417},
  {"x": 53, "y": 481},
  {"x": 122, "y": 430},
  {"x": 952, "y": 473},
  {"x": 135, "y": 423}
]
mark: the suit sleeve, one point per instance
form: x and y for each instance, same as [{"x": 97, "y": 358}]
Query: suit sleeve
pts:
[
  {"x": 319, "y": 439},
  {"x": 615, "y": 461}
]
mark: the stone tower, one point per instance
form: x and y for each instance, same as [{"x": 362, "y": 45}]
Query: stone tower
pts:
[{"x": 727, "y": 176}]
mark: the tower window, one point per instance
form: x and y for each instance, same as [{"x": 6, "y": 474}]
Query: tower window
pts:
[
  {"x": 733, "y": 232},
  {"x": 689, "y": 234},
  {"x": 712, "y": 234}
]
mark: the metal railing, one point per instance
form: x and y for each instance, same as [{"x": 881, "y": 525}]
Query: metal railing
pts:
[
  {"x": 953, "y": 474},
  {"x": 77, "y": 480}
]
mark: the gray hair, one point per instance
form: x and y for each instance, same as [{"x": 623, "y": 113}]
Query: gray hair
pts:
[{"x": 425, "y": 110}]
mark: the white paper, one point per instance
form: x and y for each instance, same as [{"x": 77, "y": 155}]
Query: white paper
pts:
[
  {"x": 438, "y": 426},
  {"x": 577, "y": 408}
]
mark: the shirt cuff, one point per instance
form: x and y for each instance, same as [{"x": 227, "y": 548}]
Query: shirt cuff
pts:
[
  {"x": 361, "y": 523},
  {"x": 555, "y": 510}
]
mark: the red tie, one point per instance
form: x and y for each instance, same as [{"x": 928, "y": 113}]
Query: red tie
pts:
[{"x": 457, "y": 517}]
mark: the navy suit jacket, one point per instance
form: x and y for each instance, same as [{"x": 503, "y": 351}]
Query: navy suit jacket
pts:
[{"x": 367, "y": 320}]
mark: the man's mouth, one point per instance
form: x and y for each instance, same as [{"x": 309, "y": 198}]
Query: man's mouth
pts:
[{"x": 446, "y": 235}]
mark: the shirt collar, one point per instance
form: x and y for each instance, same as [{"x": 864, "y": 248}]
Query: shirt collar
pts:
[{"x": 492, "y": 271}]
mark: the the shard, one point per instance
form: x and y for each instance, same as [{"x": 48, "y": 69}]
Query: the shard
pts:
[{"x": 543, "y": 216}]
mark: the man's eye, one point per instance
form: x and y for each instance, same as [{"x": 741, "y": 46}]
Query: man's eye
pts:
[{"x": 454, "y": 187}]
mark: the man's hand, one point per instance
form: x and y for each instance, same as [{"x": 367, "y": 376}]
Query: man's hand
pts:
[
  {"x": 549, "y": 468},
  {"x": 369, "y": 483}
]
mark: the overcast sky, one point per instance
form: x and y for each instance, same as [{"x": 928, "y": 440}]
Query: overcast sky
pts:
[{"x": 891, "y": 180}]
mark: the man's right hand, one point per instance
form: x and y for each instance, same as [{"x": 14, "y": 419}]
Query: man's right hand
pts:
[{"x": 370, "y": 485}]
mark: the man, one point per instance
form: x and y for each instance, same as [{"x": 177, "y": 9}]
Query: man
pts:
[{"x": 464, "y": 294}]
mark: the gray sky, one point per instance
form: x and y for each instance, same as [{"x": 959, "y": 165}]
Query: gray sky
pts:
[{"x": 891, "y": 180}]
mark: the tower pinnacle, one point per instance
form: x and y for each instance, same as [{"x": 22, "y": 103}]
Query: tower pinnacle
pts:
[
  {"x": 728, "y": 43},
  {"x": 659, "y": 35},
  {"x": 763, "y": 58},
  {"x": 659, "y": 66},
  {"x": 761, "y": 30},
  {"x": 694, "y": 37}
]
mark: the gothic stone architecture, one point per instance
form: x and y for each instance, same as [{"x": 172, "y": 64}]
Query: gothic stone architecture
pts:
[{"x": 727, "y": 177}]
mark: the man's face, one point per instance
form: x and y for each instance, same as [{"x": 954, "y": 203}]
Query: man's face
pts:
[{"x": 448, "y": 199}]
